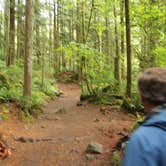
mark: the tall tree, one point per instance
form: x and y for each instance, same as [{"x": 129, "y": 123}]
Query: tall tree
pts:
[
  {"x": 28, "y": 53},
  {"x": 20, "y": 29},
  {"x": 108, "y": 40},
  {"x": 78, "y": 39},
  {"x": 56, "y": 35},
  {"x": 117, "y": 54},
  {"x": 50, "y": 35},
  {"x": 128, "y": 48},
  {"x": 37, "y": 30},
  {"x": 11, "y": 48},
  {"x": 6, "y": 26},
  {"x": 122, "y": 47}
]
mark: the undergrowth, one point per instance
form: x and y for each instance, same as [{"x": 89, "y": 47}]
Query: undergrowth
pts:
[
  {"x": 11, "y": 89},
  {"x": 109, "y": 95},
  {"x": 102, "y": 88}
]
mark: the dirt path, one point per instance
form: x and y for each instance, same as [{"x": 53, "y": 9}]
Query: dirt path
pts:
[{"x": 68, "y": 133}]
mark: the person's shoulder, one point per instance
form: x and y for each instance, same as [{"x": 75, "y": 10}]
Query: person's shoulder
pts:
[
  {"x": 156, "y": 124},
  {"x": 148, "y": 137},
  {"x": 145, "y": 146},
  {"x": 140, "y": 134},
  {"x": 148, "y": 132}
]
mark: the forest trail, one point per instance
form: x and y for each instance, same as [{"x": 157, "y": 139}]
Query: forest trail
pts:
[{"x": 60, "y": 139}]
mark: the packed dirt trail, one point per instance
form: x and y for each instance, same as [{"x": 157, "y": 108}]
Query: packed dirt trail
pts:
[{"x": 60, "y": 139}]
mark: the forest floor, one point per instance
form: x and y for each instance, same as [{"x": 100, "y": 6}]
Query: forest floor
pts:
[{"x": 60, "y": 139}]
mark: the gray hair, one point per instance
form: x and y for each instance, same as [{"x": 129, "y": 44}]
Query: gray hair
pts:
[{"x": 152, "y": 84}]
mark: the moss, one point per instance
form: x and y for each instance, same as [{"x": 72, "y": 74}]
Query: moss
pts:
[{"x": 116, "y": 159}]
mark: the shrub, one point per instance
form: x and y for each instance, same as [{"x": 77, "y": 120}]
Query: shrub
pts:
[
  {"x": 11, "y": 89},
  {"x": 116, "y": 159},
  {"x": 133, "y": 104}
]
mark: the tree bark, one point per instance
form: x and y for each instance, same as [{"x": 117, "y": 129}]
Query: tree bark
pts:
[
  {"x": 28, "y": 52},
  {"x": 117, "y": 56},
  {"x": 78, "y": 39},
  {"x": 50, "y": 35},
  {"x": 37, "y": 32},
  {"x": 7, "y": 27},
  {"x": 11, "y": 49},
  {"x": 108, "y": 41},
  {"x": 20, "y": 30},
  {"x": 128, "y": 48},
  {"x": 122, "y": 38},
  {"x": 56, "y": 35}
]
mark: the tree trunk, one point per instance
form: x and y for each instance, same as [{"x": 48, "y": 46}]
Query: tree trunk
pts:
[
  {"x": 78, "y": 39},
  {"x": 117, "y": 56},
  {"x": 28, "y": 53},
  {"x": 62, "y": 31},
  {"x": 122, "y": 39},
  {"x": 50, "y": 35},
  {"x": 128, "y": 48},
  {"x": 56, "y": 35},
  {"x": 37, "y": 32},
  {"x": 7, "y": 27},
  {"x": 108, "y": 41},
  {"x": 11, "y": 49},
  {"x": 152, "y": 36},
  {"x": 20, "y": 30}
]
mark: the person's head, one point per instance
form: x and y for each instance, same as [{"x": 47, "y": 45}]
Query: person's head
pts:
[{"x": 152, "y": 87}]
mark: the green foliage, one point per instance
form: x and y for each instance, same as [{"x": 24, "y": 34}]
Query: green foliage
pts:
[
  {"x": 4, "y": 114},
  {"x": 148, "y": 22},
  {"x": 133, "y": 104},
  {"x": 3, "y": 94},
  {"x": 14, "y": 74},
  {"x": 34, "y": 104},
  {"x": 4, "y": 81},
  {"x": 2, "y": 64},
  {"x": 11, "y": 89},
  {"x": 140, "y": 118},
  {"x": 26, "y": 116},
  {"x": 116, "y": 159},
  {"x": 97, "y": 73},
  {"x": 160, "y": 53},
  {"x": 49, "y": 89}
]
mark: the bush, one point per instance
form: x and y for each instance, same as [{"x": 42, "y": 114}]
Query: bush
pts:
[
  {"x": 133, "y": 104},
  {"x": 116, "y": 159},
  {"x": 11, "y": 89},
  {"x": 49, "y": 89}
]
